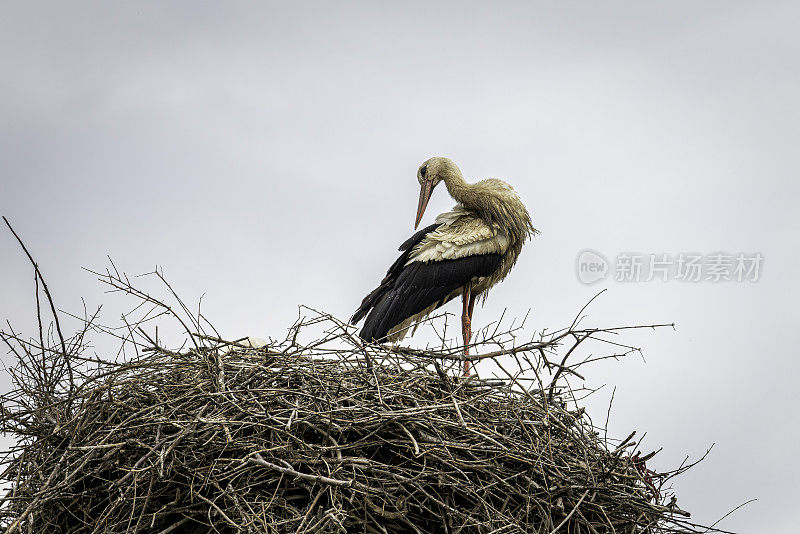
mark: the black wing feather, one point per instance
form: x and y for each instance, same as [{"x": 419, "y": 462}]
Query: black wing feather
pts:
[
  {"x": 409, "y": 289},
  {"x": 407, "y": 246},
  {"x": 414, "y": 240}
]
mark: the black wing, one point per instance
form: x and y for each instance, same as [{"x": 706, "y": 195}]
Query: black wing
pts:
[
  {"x": 392, "y": 273},
  {"x": 409, "y": 289}
]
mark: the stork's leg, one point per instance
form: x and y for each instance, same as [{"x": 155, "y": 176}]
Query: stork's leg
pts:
[
  {"x": 471, "y": 306},
  {"x": 469, "y": 323},
  {"x": 466, "y": 323}
]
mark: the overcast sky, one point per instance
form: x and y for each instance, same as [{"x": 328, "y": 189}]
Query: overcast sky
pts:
[{"x": 265, "y": 157}]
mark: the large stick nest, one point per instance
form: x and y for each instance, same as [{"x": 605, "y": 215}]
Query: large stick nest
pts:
[{"x": 324, "y": 436}]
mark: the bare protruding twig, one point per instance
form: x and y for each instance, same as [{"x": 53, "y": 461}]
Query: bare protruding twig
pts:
[{"x": 47, "y": 294}]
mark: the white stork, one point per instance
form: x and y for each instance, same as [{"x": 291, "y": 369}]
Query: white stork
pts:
[{"x": 465, "y": 252}]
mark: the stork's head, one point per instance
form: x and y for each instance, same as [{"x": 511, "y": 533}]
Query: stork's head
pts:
[{"x": 429, "y": 175}]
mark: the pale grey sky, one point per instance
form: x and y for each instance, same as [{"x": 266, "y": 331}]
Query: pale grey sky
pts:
[{"x": 265, "y": 156}]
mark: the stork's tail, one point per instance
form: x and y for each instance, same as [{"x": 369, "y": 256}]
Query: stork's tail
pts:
[{"x": 368, "y": 309}]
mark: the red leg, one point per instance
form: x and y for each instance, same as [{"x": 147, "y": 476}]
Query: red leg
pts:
[
  {"x": 471, "y": 306},
  {"x": 466, "y": 324},
  {"x": 469, "y": 322}
]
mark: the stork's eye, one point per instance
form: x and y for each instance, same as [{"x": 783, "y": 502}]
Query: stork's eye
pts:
[{"x": 423, "y": 170}]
